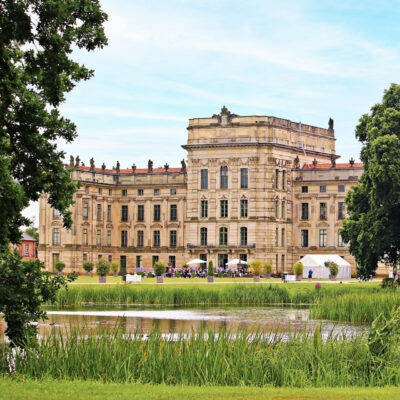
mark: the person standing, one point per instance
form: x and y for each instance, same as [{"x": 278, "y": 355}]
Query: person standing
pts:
[
  {"x": 310, "y": 272},
  {"x": 394, "y": 273}
]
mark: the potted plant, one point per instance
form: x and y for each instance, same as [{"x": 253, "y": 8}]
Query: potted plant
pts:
[
  {"x": 102, "y": 269},
  {"x": 210, "y": 272},
  {"x": 298, "y": 270},
  {"x": 88, "y": 267},
  {"x": 114, "y": 268},
  {"x": 268, "y": 269},
  {"x": 256, "y": 269},
  {"x": 333, "y": 269},
  {"x": 59, "y": 267},
  {"x": 159, "y": 270}
]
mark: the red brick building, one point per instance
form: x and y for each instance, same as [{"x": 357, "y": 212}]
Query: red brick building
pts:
[{"x": 27, "y": 248}]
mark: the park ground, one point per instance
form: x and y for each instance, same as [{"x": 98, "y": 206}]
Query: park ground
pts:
[{"x": 16, "y": 389}]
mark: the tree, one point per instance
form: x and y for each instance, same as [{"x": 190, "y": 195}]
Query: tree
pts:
[{"x": 372, "y": 228}]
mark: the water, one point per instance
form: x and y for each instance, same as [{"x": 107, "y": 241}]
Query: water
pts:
[{"x": 173, "y": 319}]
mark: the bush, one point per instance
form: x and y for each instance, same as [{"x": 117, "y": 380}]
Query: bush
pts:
[
  {"x": 88, "y": 266},
  {"x": 141, "y": 273},
  {"x": 333, "y": 267},
  {"x": 267, "y": 268},
  {"x": 159, "y": 268},
  {"x": 388, "y": 283},
  {"x": 298, "y": 268},
  {"x": 59, "y": 266},
  {"x": 256, "y": 267},
  {"x": 229, "y": 273},
  {"x": 178, "y": 273},
  {"x": 103, "y": 267},
  {"x": 114, "y": 267},
  {"x": 220, "y": 274},
  {"x": 210, "y": 271}
]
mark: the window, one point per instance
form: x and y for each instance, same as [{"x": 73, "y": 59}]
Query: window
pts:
[
  {"x": 204, "y": 179},
  {"x": 155, "y": 259},
  {"x": 323, "y": 238},
  {"x": 203, "y": 208},
  {"x": 322, "y": 188},
  {"x": 172, "y": 238},
  {"x": 224, "y": 208},
  {"x": 100, "y": 191},
  {"x": 340, "y": 240},
  {"x": 84, "y": 237},
  {"x": 156, "y": 239},
  {"x": 98, "y": 212},
  {"x": 243, "y": 208},
  {"x": 110, "y": 192},
  {"x": 223, "y": 236},
  {"x": 27, "y": 249},
  {"x": 108, "y": 237},
  {"x": 85, "y": 210},
  {"x": 140, "y": 192},
  {"x": 283, "y": 209},
  {"x": 283, "y": 180},
  {"x": 138, "y": 261},
  {"x": 243, "y": 236},
  {"x": 140, "y": 212},
  {"x": 304, "y": 211},
  {"x": 85, "y": 257},
  {"x": 173, "y": 212},
  {"x": 322, "y": 211},
  {"x": 56, "y": 236},
  {"x": 124, "y": 238},
  {"x": 108, "y": 212},
  {"x": 172, "y": 262},
  {"x": 124, "y": 213},
  {"x": 341, "y": 188},
  {"x": 157, "y": 212},
  {"x": 244, "y": 178},
  {"x": 283, "y": 237},
  {"x": 156, "y": 192},
  {"x": 56, "y": 214},
  {"x": 283, "y": 262},
  {"x": 203, "y": 236},
  {"x": 276, "y": 261},
  {"x": 304, "y": 189},
  {"x": 276, "y": 236},
  {"x": 276, "y": 208},
  {"x": 110, "y": 258},
  {"x": 277, "y": 179},
  {"x": 172, "y": 192},
  {"x": 140, "y": 237},
  {"x": 341, "y": 210},
  {"x": 224, "y": 177},
  {"x": 304, "y": 238},
  {"x": 98, "y": 237},
  {"x": 86, "y": 189},
  {"x": 243, "y": 257},
  {"x": 124, "y": 192}
]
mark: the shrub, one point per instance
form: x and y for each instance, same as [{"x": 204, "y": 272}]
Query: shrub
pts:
[
  {"x": 141, "y": 273},
  {"x": 229, "y": 273},
  {"x": 159, "y": 268},
  {"x": 103, "y": 267},
  {"x": 256, "y": 267},
  {"x": 210, "y": 271},
  {"x": 59, "y": 266},
  {"x": 88, "y": 266},
  {"x": 333, "y": 267},
  {"x": 178, "y": 273},
  {"x": 267, "y": 268},
  {"x": 298, "y": 268},
  {"x": 388, "y": 283},
  {"x": 220, "y": 274},
  {"x": 114, "y": 267}
]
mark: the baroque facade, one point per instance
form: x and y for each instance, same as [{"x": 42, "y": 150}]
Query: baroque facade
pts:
[{"x": 254, "y": 187}]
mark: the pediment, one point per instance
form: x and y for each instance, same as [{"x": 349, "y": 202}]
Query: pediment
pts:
[
  {"x": 156, "y": 226},
  {"x": 304, "y": 225},
  {"x": 322, "y": 225}
]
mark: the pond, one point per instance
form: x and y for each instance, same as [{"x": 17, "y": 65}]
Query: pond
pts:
[{"x": 177, "y": 319}]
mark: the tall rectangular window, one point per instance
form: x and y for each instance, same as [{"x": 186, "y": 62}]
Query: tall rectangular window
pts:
[
  {"x": 224, "y": 208},
  {"x": 172, "y": 238},
  {"x": 154, "y": 259},
  {"x": 172, "y": 192},
  {"x": 140, "y": 212},
  {"x": 124, "y": 192},
  {"x": 204, "y": 208},
  {"x": 140, "y": 192},
  {"x": 276, "y": 208},
  {"x": 109, "y": 212},
  {"x": 157, "y": 212},
  {"x": 98, "y": 237},
  {"x": 84, "y": 237},
  {"x": 172, "y": 261},
  {"x": 223, "y": 236},
  {"x": 138, "y": 261},
  {"x": 108, "y": 237},
  {"x": 304, "y": 238},
  {"x": 124, "y": 238},
  {"x": 322, "y": 211},
  {"x": 341, "y": 210},
  {"x": 283, "y": 262},
  {"x": 124, "y": 213},
  {"x": 243, "y": 236},
  {"x": 56, "y": 214},
  {"x": 283, "y": 237},
  {"x": 244, "y": 178},
  {"x": 323, "y": 238},
  {"x": 283, "y": 209},
  {"x": 204, "y": 179},
  {"x": 140, "y": 239},
  {"x": 110, "y": 192},
  {"x": 98, "y": 212},
  {"x": 85, "y": 210},
  {"x": 243, "y": 208},
  {"x": 100, "y": 191},
  {"x": 224, "y": 177},
  {"x": 304, "y": 211},
  {"x": 173, "y": 212},
  {"x": 276, "y": 236},
  {"x": 56, "y": 236},
  {"x": 156, "y": 239},
  {"x": 277, "y": 179},
  {"x": 203, "y": 236},
  {"x": 283, "y": 180},
  {"x": 340, "y": 240}
]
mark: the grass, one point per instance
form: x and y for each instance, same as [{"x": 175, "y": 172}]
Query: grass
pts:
[{"x": 21, "y": 389}]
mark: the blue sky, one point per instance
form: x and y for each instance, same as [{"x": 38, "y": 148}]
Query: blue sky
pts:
[{"x": 168, "y": 61}]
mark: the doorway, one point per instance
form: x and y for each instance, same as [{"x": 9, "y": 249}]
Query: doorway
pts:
[
  {"x": 122, "y": 263},
  {"x": 222, "y": 260}
]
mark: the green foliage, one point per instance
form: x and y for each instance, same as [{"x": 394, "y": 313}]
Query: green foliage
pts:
[
  {"x": 298, "y": 268},
  {"x": 24, "y": 285},
  {"x": 159, "y": 268},
  {"x": 59, "y": 266},
  {"x": 103, "y": 267},
  {"x": 256, "y": 267},
  {"x": 210, "y": 271},
  {"x": 114, "y": 267},
  {"x": 267, "y": 268},
  {"x": 333, "y": 267},
  {"x": 88, "y": 266},
  {"x": 178, "y": 273},
  {"x": 372, "y": 228},
  {"x": 34, "y": 232},
  {"x": 220, "y": 274}
]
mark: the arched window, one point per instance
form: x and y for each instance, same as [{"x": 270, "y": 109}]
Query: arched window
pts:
[
  {"x": 224, "y": 177},
  {"x": 223, "y": 236},
  {"x": 243, "y": 236}
]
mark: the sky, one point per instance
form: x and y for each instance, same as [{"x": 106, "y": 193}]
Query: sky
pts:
[{"x": 171, "y": 60}]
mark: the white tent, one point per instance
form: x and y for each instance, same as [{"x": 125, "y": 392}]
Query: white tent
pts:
[
  {"x": 196, "y": 261},
  {"x": 236, "y": 261},
  {"x": 316, "y": 262}
]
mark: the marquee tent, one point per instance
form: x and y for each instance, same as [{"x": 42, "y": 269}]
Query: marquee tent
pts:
[{"x": 316, "y": 262}]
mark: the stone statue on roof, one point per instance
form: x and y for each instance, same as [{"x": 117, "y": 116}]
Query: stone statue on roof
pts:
[
  {"x": 133, "y": 167},
  {"x": 351, "y": 162},
  {"x": 103, "y": 166},
  {"x": 150, "y": 166},
  {"x": 92, "y": 163},
  {"x": 166, "y": 166},
  {"x": 297, "y": 162},
  {"x": 183, "y": 167},
  {"x": 333, "y": 161},
  {"x": 77, "y": 160},
  {"x": 330, "y": 124},
  {"x": 315, "y": 162},
  {"x": 118, "y": 167},
  {"x": 71, "y": 161}
]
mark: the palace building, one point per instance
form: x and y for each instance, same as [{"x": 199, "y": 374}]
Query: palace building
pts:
[{"x": 254, "y": 187}]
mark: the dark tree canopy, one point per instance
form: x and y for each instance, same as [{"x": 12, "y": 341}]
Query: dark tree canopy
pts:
[{"x": 373, "y": 228}]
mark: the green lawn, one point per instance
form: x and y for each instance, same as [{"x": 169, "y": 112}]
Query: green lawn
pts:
[{"x": 39, "y": 390}]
